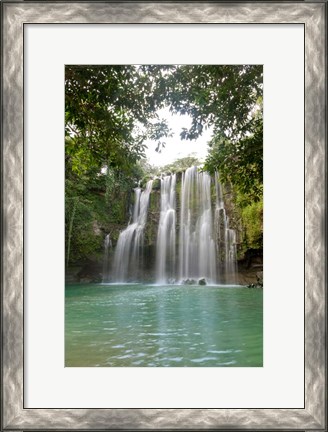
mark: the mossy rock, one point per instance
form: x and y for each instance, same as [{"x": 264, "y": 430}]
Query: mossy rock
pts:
[{"x": 157, "y": 184}]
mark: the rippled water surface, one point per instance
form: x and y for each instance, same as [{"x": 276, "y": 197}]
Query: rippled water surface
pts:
[{"x": 140, "y": 325}]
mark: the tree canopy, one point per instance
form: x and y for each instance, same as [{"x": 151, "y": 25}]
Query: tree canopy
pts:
[
  {"x": 109, "y": 113},
  {"x": 221, "y": 96},
  {"x": 112, "y": 110},
  {"x": 228, "y": 99}
]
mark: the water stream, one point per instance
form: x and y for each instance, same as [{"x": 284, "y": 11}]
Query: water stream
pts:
[
  {"x": 197, "y": 252},
  {"x": 194, "y": 241},
  {"x": 129, "y": 249},
  {"x": 166, "y": 241}
]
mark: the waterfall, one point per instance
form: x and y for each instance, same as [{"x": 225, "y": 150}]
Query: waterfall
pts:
[
  {"x": 206, "y": 245},
  {"x": 129, "y": 249},
  {"x": 194, "y": 240},
  {"x": 165, "y": 249},
  {"x": 197, "y": 251}
]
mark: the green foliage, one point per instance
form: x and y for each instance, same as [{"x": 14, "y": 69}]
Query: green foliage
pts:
[
  {"x": 148, "y": 171},
  {"x": 240, "y": 162},
  {"x": 180, "y": 165},
  {"x": 228, "y": 99},
  {"x": 82, "y": 238},
  {"x": 96, "y": 204},
  {"x": 177, "y": 166},
  {"x": 252, "y": 219},
  {"x": 222, "y": 97},
  {"x": 110, "y": 111}
]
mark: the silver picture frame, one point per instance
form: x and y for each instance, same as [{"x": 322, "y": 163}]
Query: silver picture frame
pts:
[{"x": 313, "y": 15}]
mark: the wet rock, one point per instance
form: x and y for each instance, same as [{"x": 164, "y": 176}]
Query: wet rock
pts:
[
  {"x": 202, "y": 281},
  {"x": 259, "y": 278},
  {"x": 257, "y": 285},
  {"x": 189, "y": 282}
]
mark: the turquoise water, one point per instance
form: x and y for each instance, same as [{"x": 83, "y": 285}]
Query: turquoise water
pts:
[{"x": 144, "y": 325}]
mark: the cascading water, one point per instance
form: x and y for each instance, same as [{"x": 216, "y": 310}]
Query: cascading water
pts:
[
  {"x": 129, "y": 248},
  {"x": 194, "y": 240},
  {"x": 197, "y": 252},
  {"x": 166, "y": 244}
]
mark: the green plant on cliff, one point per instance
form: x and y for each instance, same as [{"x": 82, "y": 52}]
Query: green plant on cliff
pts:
[
  {"x": 181, "y": 164},
  {"x": 252, "y": 220},
  {"x": 96, "y": 203},
  {"x": 82, "y": 239}
]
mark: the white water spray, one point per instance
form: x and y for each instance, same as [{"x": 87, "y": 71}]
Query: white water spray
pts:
[
  {"x": 129, "y": 248},
  {"x": 166, "y": 244},
  {"x": 197, "y": 252}
]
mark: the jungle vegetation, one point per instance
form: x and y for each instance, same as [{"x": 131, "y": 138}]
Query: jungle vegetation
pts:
[{"x": 110, "y": 112}]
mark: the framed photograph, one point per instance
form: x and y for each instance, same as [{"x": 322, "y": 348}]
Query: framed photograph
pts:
[{"x": 164, "y": 215}]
